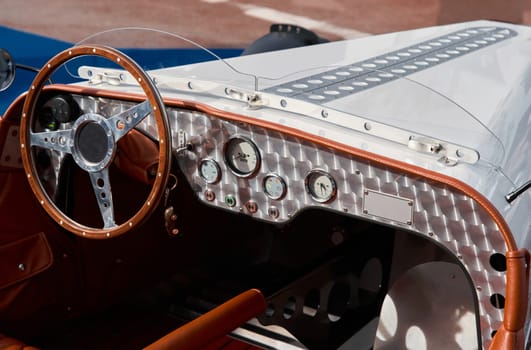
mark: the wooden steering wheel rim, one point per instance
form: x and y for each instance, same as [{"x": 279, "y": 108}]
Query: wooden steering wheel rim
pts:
[{"x": 158, "y": 110}]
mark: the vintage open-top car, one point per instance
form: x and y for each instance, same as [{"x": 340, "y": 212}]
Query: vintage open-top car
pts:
[{"x": 359, "y": 194}]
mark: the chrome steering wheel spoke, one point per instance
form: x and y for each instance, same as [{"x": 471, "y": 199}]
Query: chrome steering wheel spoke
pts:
[
  {"x": 59, "y": 140},
  {"x": 102, "y": 189},
  {"x": 124, "y": 122}
]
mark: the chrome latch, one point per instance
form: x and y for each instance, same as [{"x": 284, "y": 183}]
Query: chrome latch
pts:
[
  {"x": 253, "y": 99},
  {"x": 424, "y": 145},
  {"x": 449, "y": 154}
]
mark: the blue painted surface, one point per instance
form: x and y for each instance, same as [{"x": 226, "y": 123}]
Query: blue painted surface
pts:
[
  {"x": 29, "y": 49},
  {"x": 35, "y": 50}
]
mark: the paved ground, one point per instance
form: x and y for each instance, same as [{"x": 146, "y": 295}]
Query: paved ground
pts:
[{"x": 236, "y": 23}]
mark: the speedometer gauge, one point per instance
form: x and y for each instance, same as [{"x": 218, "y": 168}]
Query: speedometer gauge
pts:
[
  {"x": 242, "y": 156},
  {"x": 274, "y": 186},
  {"x": 321, "y": 186}
]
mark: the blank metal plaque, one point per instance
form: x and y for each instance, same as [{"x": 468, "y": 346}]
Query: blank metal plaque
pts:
[{"x": 388, "y": 207}]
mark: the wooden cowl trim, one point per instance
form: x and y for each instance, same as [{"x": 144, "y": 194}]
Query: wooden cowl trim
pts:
[{"x": 511, "y": 334}]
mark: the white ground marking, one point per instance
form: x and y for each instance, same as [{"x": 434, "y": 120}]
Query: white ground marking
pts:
[{"x": 274, "y": 16}]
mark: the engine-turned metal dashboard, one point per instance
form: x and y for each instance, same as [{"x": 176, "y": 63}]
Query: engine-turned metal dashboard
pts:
[{"x": 267, "y": 174}]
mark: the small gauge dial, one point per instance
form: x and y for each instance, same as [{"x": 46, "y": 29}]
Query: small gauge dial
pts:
[
  {"x": 242, "y": 156},
  {"x": 321, "y": 186},
  {"x": 210, "y": 171},
  {"x": 274, "y": 186}
]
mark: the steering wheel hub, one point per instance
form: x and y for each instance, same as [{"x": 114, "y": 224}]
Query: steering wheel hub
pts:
[{"x": 94, "y": 145}]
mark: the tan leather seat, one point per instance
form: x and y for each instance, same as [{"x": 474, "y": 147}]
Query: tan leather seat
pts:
[{"x": 7, "y": 343}]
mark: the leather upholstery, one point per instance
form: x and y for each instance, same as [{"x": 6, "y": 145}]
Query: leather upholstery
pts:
[
  {"x": 210, "y": 327},
  {"x": 23, "y": 259},
  {"x": 7, "y": 343},
  {"x": 137, "y": 156}
]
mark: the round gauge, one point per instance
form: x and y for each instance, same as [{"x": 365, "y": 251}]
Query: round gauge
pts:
[
  {"x": 274, "y": 186},
  {"x": 242, "y": 156},
  {"x": 321, "y": 186},
  {"x": 210, "y": 171}
]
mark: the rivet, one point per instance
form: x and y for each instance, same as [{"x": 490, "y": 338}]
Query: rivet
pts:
[
  {"x": 94, "y": 50},
  {"x": 21, "y": 267},
  {"x": 108, "y": 234},
  {"x": 130, "y": 223}
]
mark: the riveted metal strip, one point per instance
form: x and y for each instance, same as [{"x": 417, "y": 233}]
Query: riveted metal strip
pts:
[{"x": 375, "y": 71}]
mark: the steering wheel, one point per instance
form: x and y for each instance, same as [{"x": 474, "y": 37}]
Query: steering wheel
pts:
[{"x": 92, "y": 142}]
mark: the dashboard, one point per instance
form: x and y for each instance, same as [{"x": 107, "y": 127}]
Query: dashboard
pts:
[{"x": 269, "y": 175}]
